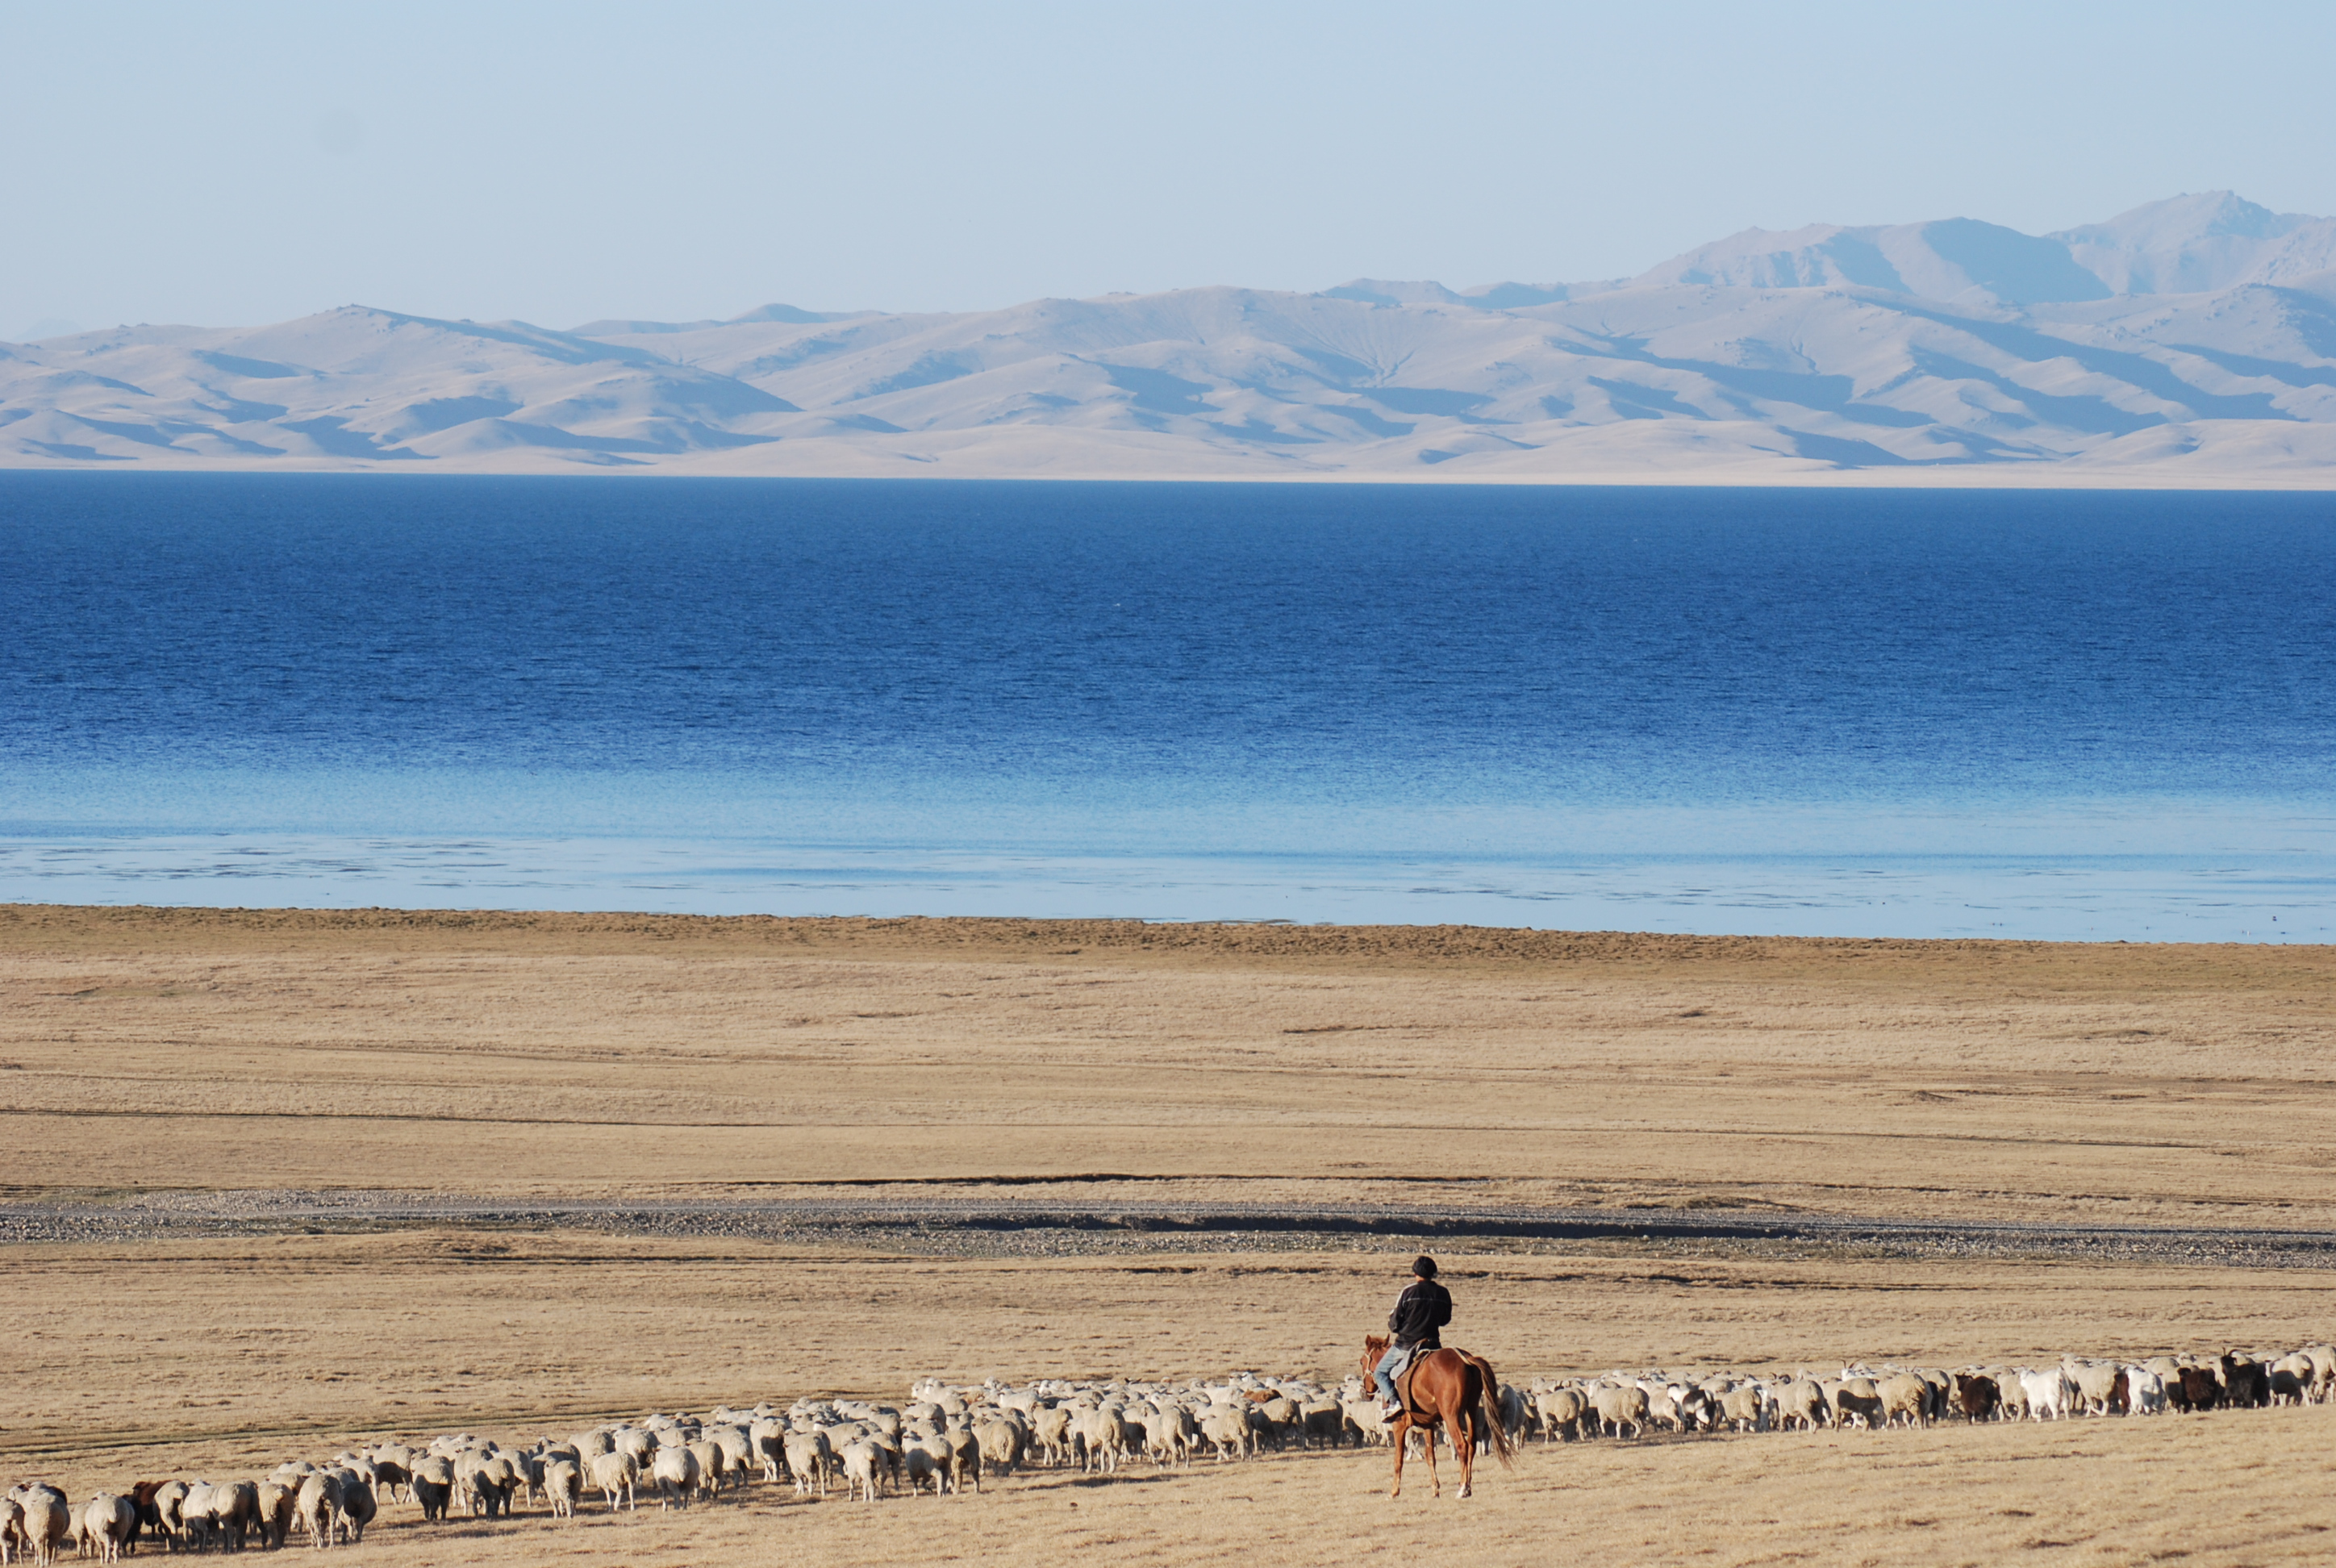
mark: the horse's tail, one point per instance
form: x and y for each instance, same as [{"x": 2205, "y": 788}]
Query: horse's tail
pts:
[{"x": 1489, "y": 1411}]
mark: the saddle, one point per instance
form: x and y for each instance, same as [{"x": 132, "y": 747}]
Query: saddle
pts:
[{"x": 1412, "y": 1357}]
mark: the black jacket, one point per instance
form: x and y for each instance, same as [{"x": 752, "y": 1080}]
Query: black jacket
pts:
[{"x": 1423, "y": 1307}]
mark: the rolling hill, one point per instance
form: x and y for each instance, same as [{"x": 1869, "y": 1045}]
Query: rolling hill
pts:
[{"x": 2189, "y": 342}]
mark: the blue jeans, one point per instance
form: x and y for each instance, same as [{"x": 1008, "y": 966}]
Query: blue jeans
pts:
[{"x": 1384, "y": 1373}]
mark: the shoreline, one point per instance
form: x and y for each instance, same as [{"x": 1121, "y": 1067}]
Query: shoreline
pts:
[
  {"x": 872, "y": 467},
  {"x": 43, "y": 927}
]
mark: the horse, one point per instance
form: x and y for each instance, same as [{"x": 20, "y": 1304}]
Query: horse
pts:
[{"x": 1455, "y": 1392}]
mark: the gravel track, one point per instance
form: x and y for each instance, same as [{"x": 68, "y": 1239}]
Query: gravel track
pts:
[{"x": 995, "y": 1227}]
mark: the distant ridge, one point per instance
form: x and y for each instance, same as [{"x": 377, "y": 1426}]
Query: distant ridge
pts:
[
  {"x": 1485, "y": 296},
  {"x": 763, "y": 313},
  {"x": 2191, "y": 341},
  {"x": 1958, "y": 260},
  {"x": 2201, "y": 244}
]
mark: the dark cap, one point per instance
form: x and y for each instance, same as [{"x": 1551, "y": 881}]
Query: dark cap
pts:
[{"x": 1424, "y": 1266}]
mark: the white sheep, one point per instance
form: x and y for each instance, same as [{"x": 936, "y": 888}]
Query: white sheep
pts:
[
  {"x": 965, "y": 1456},
  {"x": 1619, "y": 1407},
  {"x": 925, "y": 1457},
  {"x": 272, "y": 1512},
  {"x": 675, "y": 1472},
  {"x": 1050, "y": 1428},
  {"x": 1904, "y": 1393},
  {"x": 562, "y": 1483},
  {"x": 767, "y": 1438},
  {"x": 2323, "y": 1371},
  {"x": 641, "y": 1444},
  {"x": 2292, "y": 1378},
  {"x": 1183, "y": 1434},
  {"x": 1227, "y": 1430},
  {"x": 108, "y": 1523},
  {"x": 1003, "y": 1442},
  {"x": 1802, "y": 1400},
  {"x": 1855, "y": 1399},
  {"x": 2047, "y": 1394},
  {"x": 2096, "y": 1388},
  {"x": 1108, "y": 1436},
  {"x": 860, "y": 1462},
  {"x": 1560, "y": 1411},
  {"x": 1744, "y": 1408},
  {"x": 318, "y": 1508},
  {"x": 1363, "y": 1419},
  {"x": 392, "y": 1468},
  {"x": 198, "y": 1514},
  {"x": 713, "y": 1464},
  {"x": 613, "y": 1475},
  {"x": 48, "y": 1520},
  {"x": 484, "y": 1482},
  {"x": 810, "y": 1456}
]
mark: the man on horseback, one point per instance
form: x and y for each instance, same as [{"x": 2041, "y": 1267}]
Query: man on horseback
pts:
[{"x": 1423, "y": 1307}]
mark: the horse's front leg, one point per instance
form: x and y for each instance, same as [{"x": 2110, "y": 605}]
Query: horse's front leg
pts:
[
  {"x": 1402, "y": 1439},
  {"x": 1434, "y": 1482}
]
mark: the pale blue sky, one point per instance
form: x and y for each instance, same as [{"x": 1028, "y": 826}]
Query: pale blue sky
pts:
[{"x": 231, "y": 164}]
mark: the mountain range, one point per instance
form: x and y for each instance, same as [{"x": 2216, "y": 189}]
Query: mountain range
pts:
[{"x": 2191, "y": 341}]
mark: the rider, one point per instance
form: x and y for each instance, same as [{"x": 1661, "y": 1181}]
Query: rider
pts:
[{"x": 1423, "y": 1307}]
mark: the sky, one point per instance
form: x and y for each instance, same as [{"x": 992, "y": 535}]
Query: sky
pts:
[{"x": 230, "y": 165}]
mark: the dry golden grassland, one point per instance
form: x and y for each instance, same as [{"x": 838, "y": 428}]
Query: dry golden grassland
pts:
[
  {"x": 566, "y": 1055},
  {"x": 225, "y": 1359},
  {"x": 590, "y": 1055}
]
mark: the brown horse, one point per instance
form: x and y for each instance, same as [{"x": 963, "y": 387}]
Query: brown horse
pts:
[{"x": 1450, "y": 1389}]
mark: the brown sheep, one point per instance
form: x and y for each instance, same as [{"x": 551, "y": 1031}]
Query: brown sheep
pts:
[
  {"x": 2200, "y": 1391},
  {"x": 1976, "y": 1396},
  {"x": 2247, "y": 1383}
]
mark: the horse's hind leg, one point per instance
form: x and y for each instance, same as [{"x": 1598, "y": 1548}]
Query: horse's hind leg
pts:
[{"x": 1463, "y": 1428}]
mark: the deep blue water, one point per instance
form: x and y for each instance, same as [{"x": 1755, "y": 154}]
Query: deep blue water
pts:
[{"x": 2053, "y": 714}]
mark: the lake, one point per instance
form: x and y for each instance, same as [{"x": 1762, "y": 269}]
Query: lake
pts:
[{"x": 2074, "y": 715}]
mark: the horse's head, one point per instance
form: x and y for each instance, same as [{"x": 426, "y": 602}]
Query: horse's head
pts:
[{"x": 1374, "y": 1346}]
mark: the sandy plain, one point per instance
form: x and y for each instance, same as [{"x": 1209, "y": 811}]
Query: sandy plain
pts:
[{"x": 152, "y": 1057}]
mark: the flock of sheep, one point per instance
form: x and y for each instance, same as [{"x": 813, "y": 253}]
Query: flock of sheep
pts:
[
  {"x": 946, "y": 1438},
  {"x": 1620, "y": 1403}
]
